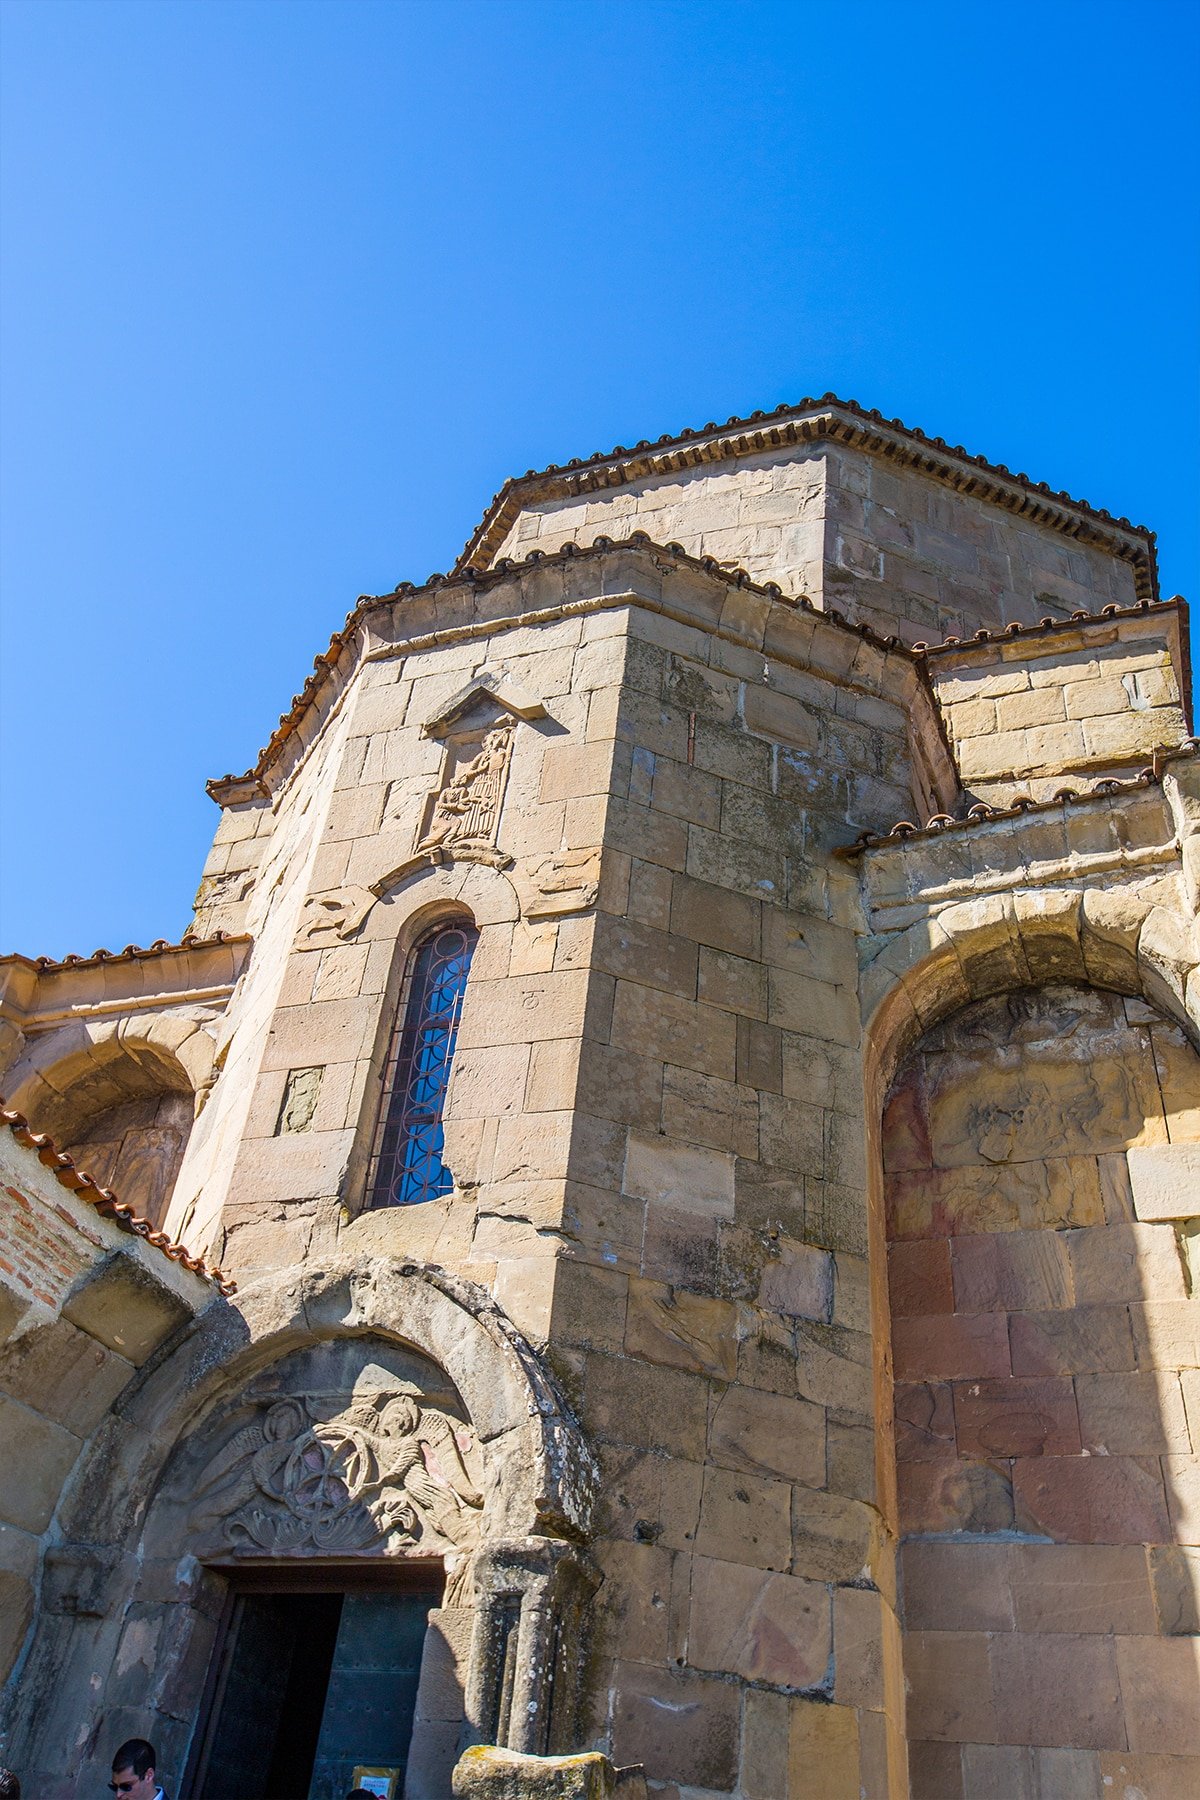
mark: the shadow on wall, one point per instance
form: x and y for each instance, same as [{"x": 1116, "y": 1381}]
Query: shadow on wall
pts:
[
  {"x": 125, "y": 1118},
  {"x": 1047, "y": 1401}
]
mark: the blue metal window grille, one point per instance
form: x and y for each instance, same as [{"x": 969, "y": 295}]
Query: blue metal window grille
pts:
[{"x": 406, "y": 1158}]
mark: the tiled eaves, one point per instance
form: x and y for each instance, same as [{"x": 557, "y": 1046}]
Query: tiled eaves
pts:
[
  {"x": 336, "y": 662},
  {"x": 78, "y": 1181},
  {"x": 131, "y": 953},
  {"x": 985, "y": 642},
  {"x": 942, "y": 824},
  {"x": 232, "y": 789},
  {"x": 809, "y": 421}
]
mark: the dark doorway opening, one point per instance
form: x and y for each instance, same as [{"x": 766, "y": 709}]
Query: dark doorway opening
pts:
[{"x": 306, "y": 1686}]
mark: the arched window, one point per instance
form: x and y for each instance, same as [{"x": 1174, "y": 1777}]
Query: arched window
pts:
[{"x": 406, "y": 1157}]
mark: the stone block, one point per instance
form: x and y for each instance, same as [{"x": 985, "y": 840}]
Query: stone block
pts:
[
  {"x": 682, "y": 1329},
  {"x": 701, "y": 1109},
  {"x": 919, "y": 1278},
  {"x": 1126, "y": 1262},
  {"x": 769, "y": 1434},
  {"x": 949, "y": 1687},
  {"x": 762, "y": 1626},
  {"x": 633, "y": 1608},
  {"x": 1165, "y": 1179},
  {"x": 798, "y": 1282},
  {"x": 1091, "y": 1499},
  {"x": 1160, "y": 1684},
  {"x": 924, "y": 1421},
  {"x": 64, "y": 1374},
  {"x": 486, "y": 1773},
  {"x": 682, "y": 1726},
  {"x": 953, "y": 1496},
  {"x": 680, "y": 1248},
  {"x": 36, "y": 1456},
  {"x": 1122, "y": 1775},
  {"x": 655, "y": 959},
  {"x": 745, "y": 1519},
  {"x": 1013, "y": 1271},
  {"x": 125, "y": 1309},
  {"x": 1084, "y": 1340},
  {"x": 637, "y": 1403},
  {"x": 834, "y": 1538},
  {"x": 733, "y": 982},
  {"x": 1012, "y": 1417},
  {"x": 935, "y": 1771},
  {"x": 956, "y": 1587},
  {"x": 674, "y": 1030},
  {"x": 1175, "y": 1579},
  {"x": 683, "y": 1177},
  {"x": 823, "y": 1751},
  {"x": 864, "y": 1628},
  {"x": 646, "y": 1497},
  {"x": 1132, "y": 1415},
  {"x": 1084, "y": 1588},
  {"x": 1182, "y": 1477},
  {"x": 1057, "y": 1689},
  {"x": 1069, "y": 1775},
  {"x": 948, "y": 1345}
]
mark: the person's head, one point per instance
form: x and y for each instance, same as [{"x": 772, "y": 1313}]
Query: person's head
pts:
[
  {"x": 10, "y": 1787},
  {"x": 360, "y": 1794},
  {"x": 133, "y": 1773}
]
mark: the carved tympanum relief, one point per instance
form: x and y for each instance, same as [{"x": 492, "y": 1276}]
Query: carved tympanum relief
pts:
[
  {"x": 313, "y": 1474},
  {"x": 354, "y": 1448}
]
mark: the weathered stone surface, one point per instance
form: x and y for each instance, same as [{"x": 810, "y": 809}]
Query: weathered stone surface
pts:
[{"x": 486, "y": 1773}]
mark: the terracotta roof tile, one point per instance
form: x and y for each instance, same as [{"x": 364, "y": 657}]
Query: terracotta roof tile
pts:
[
  {"x": 904, "y": 830},
  {"x": 229, "y": 788},
  {"x": 808, "y": 420},
  {"x": 131, "y": 952},
  {"x": 106, "y": 1203}
]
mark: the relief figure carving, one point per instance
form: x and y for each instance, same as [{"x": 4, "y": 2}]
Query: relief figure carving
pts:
[
  {"x": 465, "y": 813},
  {"x": 312, "y": 1473},
  {"x": 333, "y": 917}
]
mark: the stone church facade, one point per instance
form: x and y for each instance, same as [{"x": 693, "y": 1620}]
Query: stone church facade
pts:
[{"x": 682, "y": 1102}]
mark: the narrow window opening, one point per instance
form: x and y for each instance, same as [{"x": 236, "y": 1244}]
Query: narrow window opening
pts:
[{"x": 406, "y": 1157}]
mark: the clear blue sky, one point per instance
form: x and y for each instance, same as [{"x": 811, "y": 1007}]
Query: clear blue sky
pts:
[{"x": 290, "y": 288}]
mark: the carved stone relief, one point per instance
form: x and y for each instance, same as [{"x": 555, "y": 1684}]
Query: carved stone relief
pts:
[
  {"x": 300, "y": 1095},
  {"x": 462, "y": 817},
  {"x": 363, "y": 1455},
  {"x": 567, "y": 881},
  {"x": 332, "y": 917},
  {"x": 381, "y": 1473}
]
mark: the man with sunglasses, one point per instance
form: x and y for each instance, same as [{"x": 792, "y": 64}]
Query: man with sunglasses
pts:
[{"x": 133, "y": 1774}]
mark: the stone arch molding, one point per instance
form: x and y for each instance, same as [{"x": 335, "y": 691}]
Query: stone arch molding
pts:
[
  {"x": 539, "y": 1477},
  {"x": 977, "y": 948},
  {"x": 112, "y": 1566},
  {"x": 176, "y": 1049}
]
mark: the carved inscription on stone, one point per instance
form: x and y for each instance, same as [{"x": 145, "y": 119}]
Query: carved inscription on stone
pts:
[
  {"x": 312, "y": 1473},
  {"x": 463, "y": 816}
]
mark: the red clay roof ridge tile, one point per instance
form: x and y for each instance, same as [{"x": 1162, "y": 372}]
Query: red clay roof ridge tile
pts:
[
  {"x": 131, "y": 952},
  {"x": 223, "y": 786},
  {"x": 904, "y": 830},
  {"x": 779, "y": 427},
  {"x": 78, "y": 1181}
]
